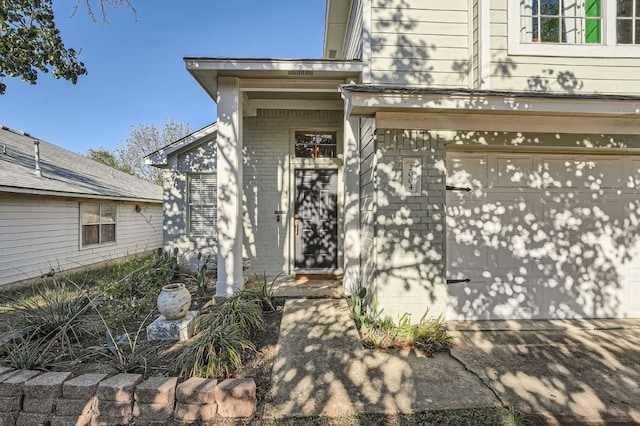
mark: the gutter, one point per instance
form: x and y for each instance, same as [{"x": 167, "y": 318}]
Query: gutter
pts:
[{"x": 30, "y": 191}]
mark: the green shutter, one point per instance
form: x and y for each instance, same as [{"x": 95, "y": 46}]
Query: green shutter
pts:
[{"x": 593, "y": 27}]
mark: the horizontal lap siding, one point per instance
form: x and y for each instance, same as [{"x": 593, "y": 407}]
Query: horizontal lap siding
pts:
[
  {"x": 353, "y": 39},
  {"x": 419, "y": 43},
  {"x": 555, "y": 74},
  {"x": 367, "y": 202},
  {"x": 39, "y": 234}
]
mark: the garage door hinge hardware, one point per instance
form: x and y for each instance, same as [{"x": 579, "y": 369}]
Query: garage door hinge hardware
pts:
[
  {"x": 466, "y": 280},
  {"x": 457, "y": 188}
]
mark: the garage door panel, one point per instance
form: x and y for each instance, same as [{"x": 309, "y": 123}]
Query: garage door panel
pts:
[
  {"x": 633, "y": 176},
  {"x": 466, "y": 256},
  {"x": 582, "y": 297},
  {"x": 589, "y": 172},
  {"x": 492, "y": 298},
  {"x": 468, "y": 171},
  {"x": 632, "y": 295},
  {"x": 514, "y": 171}
]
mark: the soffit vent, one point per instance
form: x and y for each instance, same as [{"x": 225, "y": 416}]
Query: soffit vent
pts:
[
  {"x": 332, "y": 53},
  {"x": 300, "y": 72}
]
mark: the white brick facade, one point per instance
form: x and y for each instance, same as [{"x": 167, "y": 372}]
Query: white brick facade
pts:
[{"x": 409, "y": 234}]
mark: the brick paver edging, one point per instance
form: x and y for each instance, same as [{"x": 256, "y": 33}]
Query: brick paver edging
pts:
[{"x": 29, "y": 397}]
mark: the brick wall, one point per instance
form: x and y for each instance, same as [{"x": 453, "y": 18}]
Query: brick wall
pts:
[
  {"x": 29, "y": 397},
  {"x": 268, "y": 144},
  {"x": 409, "y": 274}
]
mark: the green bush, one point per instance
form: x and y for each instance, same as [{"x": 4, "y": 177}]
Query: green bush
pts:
[
  {"x": 53, "y": 311},
  {"x": 238, "y": 309},
  {"x": 213, "y": 352},
  {"x": 262, "y": 290},
  {"x": 30, "y": 352},
  {"x": 381, "y": 332},
  {"x": 222, "y": 337}
]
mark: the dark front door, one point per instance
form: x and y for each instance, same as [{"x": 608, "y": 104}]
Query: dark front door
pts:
[{"x": 316, "y": 220}]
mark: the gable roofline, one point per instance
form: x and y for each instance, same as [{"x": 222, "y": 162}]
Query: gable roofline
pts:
[
  {"x": 159, "y": 158},
  {"x": 64, "y": 173}
]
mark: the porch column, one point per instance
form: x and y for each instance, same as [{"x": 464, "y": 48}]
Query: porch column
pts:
[
  {"x": 351, "y": 177},
  {"x": 229, "y": 186}
]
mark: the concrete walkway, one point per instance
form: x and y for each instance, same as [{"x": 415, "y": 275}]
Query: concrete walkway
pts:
[
  {"x": 321, "y": 369},
  {"x": 563, "y": 371}
]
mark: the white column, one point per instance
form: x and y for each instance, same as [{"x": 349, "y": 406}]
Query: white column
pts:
[
  {"x": 351, "y": 178},
  {"x": 229, "y": 185}
]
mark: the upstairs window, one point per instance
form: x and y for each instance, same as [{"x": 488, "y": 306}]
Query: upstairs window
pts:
[
  {"x": 561, "y": 21},
  {"x": 628, "y": 22},
  {"x": 201, "y": 205},
  {"x": 98, "y": 222},
  {"x": 607, "y": 28}
]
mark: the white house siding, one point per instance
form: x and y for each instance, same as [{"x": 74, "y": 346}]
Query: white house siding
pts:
[
  {"x": 38, "y": 234},
  {"x": 353, "y": 38},
  {"x": 200, "y": 158},
  {"x": 409, "y": 230},
  {"x": 367, "y": 202},
  {"x": 420, "y": 43},
  {"x": 268, "y": 146},
  {"x": 475, "y": 46},
  {"x": 555, "y": 74}
]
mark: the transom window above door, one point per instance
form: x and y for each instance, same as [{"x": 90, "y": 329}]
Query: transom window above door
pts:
[
  {"x": 315, "y": 144},
  {"x": 606, "y": 28}
]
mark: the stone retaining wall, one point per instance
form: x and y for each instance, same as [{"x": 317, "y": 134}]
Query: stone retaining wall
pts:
[{"x": 29, "y": 397}]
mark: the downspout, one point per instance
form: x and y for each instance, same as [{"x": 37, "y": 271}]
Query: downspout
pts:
[{"x": 36, "y": 146}]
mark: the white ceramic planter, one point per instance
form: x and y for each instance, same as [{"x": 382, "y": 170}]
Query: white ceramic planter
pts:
[{"x": 174, "y": 301}]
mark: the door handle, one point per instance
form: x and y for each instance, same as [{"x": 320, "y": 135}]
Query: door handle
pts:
[{"x": 295, "y": 226}]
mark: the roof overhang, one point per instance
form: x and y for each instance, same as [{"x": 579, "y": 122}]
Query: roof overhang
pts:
[
  {"x": 335, "y": 27},
  {"x": 439, "y": 109},
  {"x": 273, "y": 80}
]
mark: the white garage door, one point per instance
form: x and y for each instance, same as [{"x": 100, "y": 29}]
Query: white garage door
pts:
[{"x": 543, "y": 236}]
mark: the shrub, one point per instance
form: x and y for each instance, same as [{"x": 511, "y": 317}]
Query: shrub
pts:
[
  {"x": 381, "y": 332},
  {"x": 238, "y": 309},
  {"x": 222, "y": 336},
  {"x": 213, "y": 352},
  {"x": 30, "y": 352},
  {"x": 262, "y": 291},
  {"x": 53, "y": 311}
]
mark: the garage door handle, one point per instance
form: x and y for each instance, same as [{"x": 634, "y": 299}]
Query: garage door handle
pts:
[
  {"x": 466, "y": 280},
  {"x": 457, "y": 188}
]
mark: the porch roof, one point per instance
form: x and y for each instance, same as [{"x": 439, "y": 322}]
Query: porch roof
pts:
[{"x": 273, "y": 79}]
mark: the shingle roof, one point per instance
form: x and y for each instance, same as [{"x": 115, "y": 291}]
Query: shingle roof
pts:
[{"x": 64, "y": 173}]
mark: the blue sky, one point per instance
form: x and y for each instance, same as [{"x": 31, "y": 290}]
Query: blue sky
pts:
[{"x": 136, "y": 72}]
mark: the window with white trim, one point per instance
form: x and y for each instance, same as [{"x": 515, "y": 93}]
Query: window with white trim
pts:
[
  {"x": 628, "y": 22},
  {"x": 316, "y": 144},
  {"x": 201, "y": 205},
  {"x": 575, "y": 27},
  {"x": 98, "y": 223}
]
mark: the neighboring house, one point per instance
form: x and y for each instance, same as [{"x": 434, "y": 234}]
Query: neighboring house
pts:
[
  {"x": 60, "y": 211},
  {"x": 477, "y": 158}
]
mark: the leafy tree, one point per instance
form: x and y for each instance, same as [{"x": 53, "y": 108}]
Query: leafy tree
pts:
[
  {"x": 145, "y": 139},
  {"x": 104, "y": 156},
  {"x": 31, "y": 43}
]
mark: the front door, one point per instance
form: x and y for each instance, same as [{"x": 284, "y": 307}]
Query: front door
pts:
[{"x": 316, "y": 220}]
